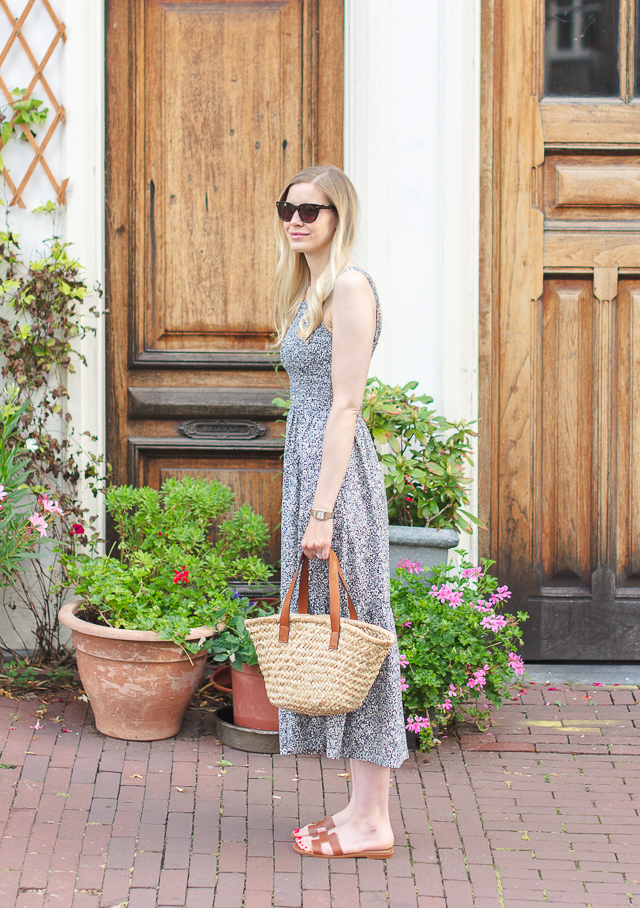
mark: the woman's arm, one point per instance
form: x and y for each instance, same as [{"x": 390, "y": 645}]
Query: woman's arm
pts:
[{"x": 353, "y": 316}]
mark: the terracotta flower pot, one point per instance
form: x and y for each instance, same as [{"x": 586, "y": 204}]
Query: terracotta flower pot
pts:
[
  {"x": 221, "y": 679},
  {"x": 139, "y": 686},
  {"x": 251, "y": 706}
]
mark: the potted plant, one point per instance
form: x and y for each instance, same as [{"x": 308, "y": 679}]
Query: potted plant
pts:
[
  {"x": 422, "y": 457},
  {"x": 142, "y": 619},
  {"x": 456, "y": 645},
  {"x": 251, "y": 706}
]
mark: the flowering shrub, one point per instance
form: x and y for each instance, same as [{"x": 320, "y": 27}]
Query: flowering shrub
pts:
[
  {"x": 45, "y": 313},
  {"x": 19, "y": 533},
  {"x": 455, "y": 643},
  {"x": 171, "y": 576}
]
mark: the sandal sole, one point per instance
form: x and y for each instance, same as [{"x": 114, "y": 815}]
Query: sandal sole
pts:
[{"x": 371, "y": 855}]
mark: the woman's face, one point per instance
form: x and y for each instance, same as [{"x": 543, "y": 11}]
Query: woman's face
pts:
[{"x": 310, "y": 239}]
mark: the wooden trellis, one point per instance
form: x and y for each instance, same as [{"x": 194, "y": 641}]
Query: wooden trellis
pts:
[{"x": 38, "y": 76}]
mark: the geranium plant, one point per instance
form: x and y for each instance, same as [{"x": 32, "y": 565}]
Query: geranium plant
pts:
[
  {"x": 424, "y": 468},
  {"x": 233, "y": 643},
  {"x": 25, "y": 518},
  {"x": 171, "y": 575},
  {"x": 45, "y": 313},
  {"x": 456, "y": 643}
]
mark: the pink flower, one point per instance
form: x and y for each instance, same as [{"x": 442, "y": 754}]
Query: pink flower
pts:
[
  {"x": 447, "y": 704},
  {"x": 403, "y": 660},
  {"x": 501, "y": 594},
  {"x": 3, "y": 494},
  {"x": 482, "y": 606},
  {"x": 413, "y": 567},
  {"x": 446, "y": 593},
  {"x": 452, "y": 690},
  {"x": 403, "y": 684},
  {"x": 51, "y": 506},
  {"x": 472, "y": 573},
  {"x": 417, "y": 723},
  {"x": 39, "y": 523},
  {"x": 181, "y": 576},
  {"x": 516, "y": 664},
  {"x": 494, "y": 622},
  {"x": 478, "y": 679},
  {"x": 408, "y": 624},
  {"x": 76, "y": 530}
]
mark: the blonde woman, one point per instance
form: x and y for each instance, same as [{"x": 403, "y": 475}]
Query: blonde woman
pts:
[{"x": 328, "y": 319}]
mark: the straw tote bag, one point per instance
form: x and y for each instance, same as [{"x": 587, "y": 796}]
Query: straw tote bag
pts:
[{"x": 318, "y": 665}]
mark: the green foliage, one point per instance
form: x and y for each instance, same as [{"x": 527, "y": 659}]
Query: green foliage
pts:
[
  {"x": 43, "y": 323},
  {"x": 24, "y": 676},
  {"x": 171, "y": 576},
  {"x": 17, "y": 533},
  {"x": 43, "y": 319},
  {"x": 458, "y": 645},
  {"x": 424, "y": 471},
  {"x": 234, "y": 644},
  {"x": 21, "y": 111}
]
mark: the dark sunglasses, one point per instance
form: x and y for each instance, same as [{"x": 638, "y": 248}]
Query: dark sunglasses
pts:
[{"x": 308, "y": 212}]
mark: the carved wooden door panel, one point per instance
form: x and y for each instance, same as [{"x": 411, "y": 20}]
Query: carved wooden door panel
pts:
[
  {"x": 560, "y": 321},
  {"x": 211, "y": 105}
]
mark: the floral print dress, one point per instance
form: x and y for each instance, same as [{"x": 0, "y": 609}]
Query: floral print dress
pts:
[{"x": 375, "y": 732}]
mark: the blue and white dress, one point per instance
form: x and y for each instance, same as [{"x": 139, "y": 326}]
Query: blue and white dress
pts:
[{"x": 375, "y": 732}]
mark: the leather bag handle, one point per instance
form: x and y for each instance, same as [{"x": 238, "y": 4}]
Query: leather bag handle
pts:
[{"x": 335, "y": 575}]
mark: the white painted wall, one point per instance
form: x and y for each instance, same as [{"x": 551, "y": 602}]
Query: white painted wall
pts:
[
  {"x": 412, "y": 112},
  {"x": 75, "y": 74}
]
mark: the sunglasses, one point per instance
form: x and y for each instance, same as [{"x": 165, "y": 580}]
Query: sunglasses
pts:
[{"x": 308, "y": 212}]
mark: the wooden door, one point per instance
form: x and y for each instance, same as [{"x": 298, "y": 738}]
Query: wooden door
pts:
[
  {"x": 560, "y": 320},
  {"x": 211, "y": 106}
]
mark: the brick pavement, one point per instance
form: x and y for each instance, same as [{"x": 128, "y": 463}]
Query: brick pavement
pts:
[{"x": 543, "y": 808}]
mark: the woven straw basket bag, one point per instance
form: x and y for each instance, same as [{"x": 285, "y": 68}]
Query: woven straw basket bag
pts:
[{"x": 318, "y": 665}]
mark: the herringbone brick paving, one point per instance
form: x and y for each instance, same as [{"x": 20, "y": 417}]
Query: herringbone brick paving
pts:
[{"x": 541, "y": 808}]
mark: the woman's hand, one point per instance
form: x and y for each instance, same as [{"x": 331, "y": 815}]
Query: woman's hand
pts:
[{"x": 316, "y": 541}]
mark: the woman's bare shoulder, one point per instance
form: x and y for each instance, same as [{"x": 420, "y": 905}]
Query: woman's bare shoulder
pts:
[{"x": 352, "y": 279}]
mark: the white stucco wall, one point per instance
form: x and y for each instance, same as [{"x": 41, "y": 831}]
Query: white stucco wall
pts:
[
  {"x": 75, "y": 75},
  {"x": 412, "y": 115}
]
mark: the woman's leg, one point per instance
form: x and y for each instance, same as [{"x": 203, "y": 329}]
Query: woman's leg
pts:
[
  {"x": 342, "y": 815},
  {"x": 365, "y": 824}
]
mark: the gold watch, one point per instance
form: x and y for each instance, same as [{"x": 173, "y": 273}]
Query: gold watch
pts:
[{"x": 319, "y": 514}]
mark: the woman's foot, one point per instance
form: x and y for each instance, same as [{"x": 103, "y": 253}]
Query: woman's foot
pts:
[
  {"x": 343, "y": 816},
  {"x": 354, "y": 836}
]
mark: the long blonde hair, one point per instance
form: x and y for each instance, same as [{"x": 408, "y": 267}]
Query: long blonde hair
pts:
[{"x": 292, "y": 271}]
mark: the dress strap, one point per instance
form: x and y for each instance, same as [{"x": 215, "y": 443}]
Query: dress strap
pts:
[
  {"x": 368, "y": 277},
  {"x": 375, "y": 293}
]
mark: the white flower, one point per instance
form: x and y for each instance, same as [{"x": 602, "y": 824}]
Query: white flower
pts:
[{"x": 31, "y": 445}]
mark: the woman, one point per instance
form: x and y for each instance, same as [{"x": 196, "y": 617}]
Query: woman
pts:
[{"x": 328, "y": 318}]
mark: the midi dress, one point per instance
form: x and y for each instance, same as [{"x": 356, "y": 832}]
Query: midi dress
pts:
[{"x": 375, "y": 732}]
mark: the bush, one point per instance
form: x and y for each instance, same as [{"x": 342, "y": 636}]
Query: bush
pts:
[
  {"x": 24, "y": 521},
  {"x": 456, "y": 645},
  {"x": 424, "y": 471},
  {"x": 170, "y": 576}
]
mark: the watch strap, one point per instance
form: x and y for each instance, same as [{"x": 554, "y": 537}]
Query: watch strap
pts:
[{"x": 321, "y": 514}]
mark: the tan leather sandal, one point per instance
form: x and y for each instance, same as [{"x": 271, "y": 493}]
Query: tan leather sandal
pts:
[
  {"x": 331, "y": 839},
  {"x": 315, "y": 828}
]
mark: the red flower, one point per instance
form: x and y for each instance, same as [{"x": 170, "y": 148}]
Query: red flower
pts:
[
  {"x": 181, "y": 576},
  {"x": 76, "y": 530},
  {"x": 159, "y": 534}
]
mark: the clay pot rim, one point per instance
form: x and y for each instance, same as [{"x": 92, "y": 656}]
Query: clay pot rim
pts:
[{"x": 68, "y": 617}]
